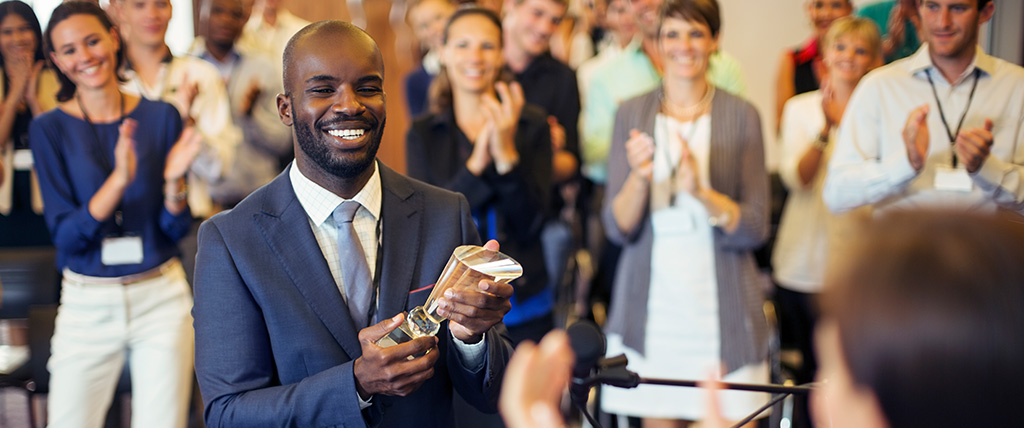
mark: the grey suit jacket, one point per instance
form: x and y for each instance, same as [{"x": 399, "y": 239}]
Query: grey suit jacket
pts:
[
  {"x": 736, "y": 169},
  {"x": 274, "y": 340}
]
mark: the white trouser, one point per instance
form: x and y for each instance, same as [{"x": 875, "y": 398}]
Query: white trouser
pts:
[{"x": 99, "y": 324}]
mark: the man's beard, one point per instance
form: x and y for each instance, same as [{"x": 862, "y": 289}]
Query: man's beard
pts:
[{"x": 320, "y": 152}]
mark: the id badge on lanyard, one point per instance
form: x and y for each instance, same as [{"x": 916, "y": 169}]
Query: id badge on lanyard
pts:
[{"x": 120, "y": 248}]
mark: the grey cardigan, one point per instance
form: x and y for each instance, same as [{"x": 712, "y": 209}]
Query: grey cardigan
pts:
[{"x": 736, "y": 169}]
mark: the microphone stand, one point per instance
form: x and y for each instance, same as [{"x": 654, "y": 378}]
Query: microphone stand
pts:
[{"x": 613, "y": 372}]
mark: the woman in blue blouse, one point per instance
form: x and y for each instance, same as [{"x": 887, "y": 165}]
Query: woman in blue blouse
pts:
[{"x": 111, "y": 170}]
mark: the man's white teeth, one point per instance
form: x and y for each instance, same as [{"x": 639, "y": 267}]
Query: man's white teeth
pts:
[{"x": 348, "y": 134}]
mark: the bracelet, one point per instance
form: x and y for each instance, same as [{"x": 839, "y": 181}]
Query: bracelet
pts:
[
  {"x": 720, "y": 220},
  {"x": 505, "y": 167},
  {"x": 177, "y": 197}
]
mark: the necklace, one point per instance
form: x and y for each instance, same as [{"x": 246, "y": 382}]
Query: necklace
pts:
[{"x": 685, "y": 114}]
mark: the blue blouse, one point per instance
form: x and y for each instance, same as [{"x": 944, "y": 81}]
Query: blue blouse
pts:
[{"x": 73, "y": 159}]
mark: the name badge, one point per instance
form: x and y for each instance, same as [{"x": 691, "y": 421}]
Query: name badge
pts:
[
  {"x": 673, "y": 221},
  {"x": 22, "y": 160},
  {"x": 952, "y": 179},
  {"x": 121, "y": 250}
]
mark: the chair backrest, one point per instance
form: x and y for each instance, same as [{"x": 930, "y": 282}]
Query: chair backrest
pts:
[{"x": 29, "y": 276}]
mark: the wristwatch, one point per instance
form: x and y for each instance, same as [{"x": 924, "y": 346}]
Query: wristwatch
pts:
[
  {"x": 821, "y": 142},
  {"x": 720, "y": 220}
]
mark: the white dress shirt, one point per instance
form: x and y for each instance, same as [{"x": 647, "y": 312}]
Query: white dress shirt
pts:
[{"x": 870, "y": 164}]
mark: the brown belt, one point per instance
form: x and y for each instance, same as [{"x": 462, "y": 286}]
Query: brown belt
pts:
[{"x": 86, "y": 280}]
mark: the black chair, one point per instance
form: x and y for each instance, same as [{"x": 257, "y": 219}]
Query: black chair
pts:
[{"x": 29, "y": 276}]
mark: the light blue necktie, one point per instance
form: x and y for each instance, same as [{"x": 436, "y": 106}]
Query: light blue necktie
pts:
[{"x": 355, "y": 273}]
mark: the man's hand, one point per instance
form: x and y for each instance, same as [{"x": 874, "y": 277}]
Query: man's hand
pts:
[
  {"x": 249, "y": 100},
  {"x": 915, "y": 137},
  {"x": 389, "y": 371},
  {"x": 185, "y": 95},
  {"x": 181, "y": 155},
  {"x": 473, "y": 311},
  {"x": 973, "y": 146}
]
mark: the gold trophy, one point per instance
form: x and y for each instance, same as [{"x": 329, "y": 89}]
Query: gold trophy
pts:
[{"x": 468, "y": 265}]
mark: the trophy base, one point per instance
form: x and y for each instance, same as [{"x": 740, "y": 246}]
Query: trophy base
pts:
[{"x": 417, "y": 324}]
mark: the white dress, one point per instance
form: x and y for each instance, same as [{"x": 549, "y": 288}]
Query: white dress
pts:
[{"x": 682, "y": 332}]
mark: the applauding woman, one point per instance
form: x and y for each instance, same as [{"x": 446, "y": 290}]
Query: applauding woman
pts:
[
  {"x": 481, "y": 140},
  {"x": 111, "y": 170},
  {"x": 808, "y": 232},
  {"x": 688, "y": 204},
  {"x": 28, "y": 89}
]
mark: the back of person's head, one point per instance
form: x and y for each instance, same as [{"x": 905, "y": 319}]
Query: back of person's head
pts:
[
  {"x": 704, "y": 12},
  {"x": 63, "y": 12},
  {"x": 440, "y": 91},
  {"x": 861, "y": 28},
  {"x": 19, "y": 8},
  {"x": 930, "y": 314}
]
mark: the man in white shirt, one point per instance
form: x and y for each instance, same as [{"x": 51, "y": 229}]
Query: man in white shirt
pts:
[
  {"x": 195, "y": 88},
  {"x": 942, "y": 127},
  {"x": 190, "y": 84},
  {"x": 252, "y": 87},
  {"x": 268, "y": 31}
]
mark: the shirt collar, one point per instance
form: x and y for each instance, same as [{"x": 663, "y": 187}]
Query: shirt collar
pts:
[
  {"x": 168, "y": 57},
  {"x": 922, "y": 61},
  {"x": 319, "y": 203}
]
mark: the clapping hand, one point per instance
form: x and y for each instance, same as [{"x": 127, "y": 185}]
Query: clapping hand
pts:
[
  {"x": 640, "y": 155},
  {"x": 125, "y": 160},
  {"x": 185, "y": 95},
  {"x": 687, "y": 177},
  {"x": 973, "y": 146},
  {"x": 915, "y": 137},
  {"x": 249, "y": 100},
  {"x": 181, "y": 155},
  {"x": 504, "y": 115},
  {"x": 534, "y": 381}
]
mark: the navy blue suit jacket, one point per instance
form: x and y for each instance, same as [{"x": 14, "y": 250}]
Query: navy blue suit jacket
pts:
[{"x": 274, "y": 340}]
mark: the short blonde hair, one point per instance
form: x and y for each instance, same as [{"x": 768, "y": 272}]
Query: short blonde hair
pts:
[{"x": 863, "y": 28}]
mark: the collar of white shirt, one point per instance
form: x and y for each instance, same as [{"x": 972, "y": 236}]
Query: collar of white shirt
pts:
[
  {"x": 921, "y": 61},
  {"x": 320, "y": 203}
]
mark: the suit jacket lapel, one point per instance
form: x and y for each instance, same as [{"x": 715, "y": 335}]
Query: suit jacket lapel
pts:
[
  {"x": 285, "y": 227},
  {"x": 401, "y": 212}
]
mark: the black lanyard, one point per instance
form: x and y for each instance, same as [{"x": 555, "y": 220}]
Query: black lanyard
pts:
[
  {"x": 952, "y": 135},
  {"x": 105, "y": 162}
]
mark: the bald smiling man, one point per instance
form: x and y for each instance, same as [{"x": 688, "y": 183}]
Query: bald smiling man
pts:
[{"x": 276, "y": 341}]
